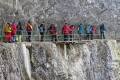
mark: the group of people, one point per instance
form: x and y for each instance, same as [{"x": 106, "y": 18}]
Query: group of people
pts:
[
  {"x": 68, "y": 31},
  {"x": 13, "y": 32}
]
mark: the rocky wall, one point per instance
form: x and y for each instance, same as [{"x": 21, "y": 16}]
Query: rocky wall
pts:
[
  {"x": 94, "y": 12},
  {"x": 91, "y": 60}
]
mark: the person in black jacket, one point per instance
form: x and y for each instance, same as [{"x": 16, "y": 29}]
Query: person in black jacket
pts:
[{"x": 19, "y": 31}]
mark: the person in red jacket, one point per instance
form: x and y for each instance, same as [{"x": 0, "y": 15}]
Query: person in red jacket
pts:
[
  {"x": 71, "y": 32},
  {"x": 92, "y": 31},
  {"x": 14, "y": 29},
  {"x": 53, "y": 32},
  {"x": 65, "y": 30}
]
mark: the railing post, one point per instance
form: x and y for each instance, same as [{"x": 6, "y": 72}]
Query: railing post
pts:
[
  {"x": 56, "y": 37},
  {"x": 1, "y": 36},
  {"x": 31, "y": 35},
  {"x": 78, "y": 36},
  {"x": 43, "y": 36},
  {"x": 73, "y": 35},
  {"x": 62, "y": 36},
  {"x": 68, "y": 38}
]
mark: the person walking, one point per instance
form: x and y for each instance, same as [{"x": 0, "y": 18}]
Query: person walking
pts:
[
  {"x": 29, "y": 30},
  {"x": 19, "y": 31},
  {"x": 8, "y": 31},
  {"x": 102, "y": 30},
  {"x": 42, "y": 31},
  {"x": 88, "y": 29},
  {"x": 80, "y": 30},
  {"x": 65, "y": 31}
]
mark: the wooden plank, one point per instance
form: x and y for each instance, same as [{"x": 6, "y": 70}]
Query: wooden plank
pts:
[{"x": 77, "y": 41}]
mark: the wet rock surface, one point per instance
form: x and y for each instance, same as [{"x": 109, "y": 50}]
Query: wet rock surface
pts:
[{"x": 93, "y": 60}]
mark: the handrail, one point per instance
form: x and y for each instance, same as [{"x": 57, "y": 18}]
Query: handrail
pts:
[{"x": 35, "y": 36}]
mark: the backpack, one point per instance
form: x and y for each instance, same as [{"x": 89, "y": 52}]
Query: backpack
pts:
[
  {"x": 92, "y": 29},
  {"x": 29, "y": 27},
  {"x": 88, "y": 29},
  {"x": 49, "y": 29},
  {"x": 41, "y": 29}
]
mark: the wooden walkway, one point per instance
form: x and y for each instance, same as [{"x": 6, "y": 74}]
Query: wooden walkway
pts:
[{"x": 75, "y": 41}]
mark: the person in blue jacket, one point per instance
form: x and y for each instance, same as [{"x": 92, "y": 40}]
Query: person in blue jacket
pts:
[
  {"x": 88, "y": 30},
  {"x": 42, "y": 31},
  {"x": 80, "y": 30},
  {"x": 102, "y": 30}
]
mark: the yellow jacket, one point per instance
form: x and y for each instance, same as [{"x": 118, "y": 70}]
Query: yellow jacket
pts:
[{"x": 7, "y": 28}]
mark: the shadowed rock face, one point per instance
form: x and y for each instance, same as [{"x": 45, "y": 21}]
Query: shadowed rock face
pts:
[
  {"x": 94, "y": 12},
  {"x": 93, "y": 60}
]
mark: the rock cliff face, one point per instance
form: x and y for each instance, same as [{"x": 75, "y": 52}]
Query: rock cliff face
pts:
[
  {"x": 94, "y": 12},
  {"x": 93, "y": 60}
]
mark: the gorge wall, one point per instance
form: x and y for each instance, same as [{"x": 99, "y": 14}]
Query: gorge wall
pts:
[
  {"x": 92, "y": 60},
  {"x": 94, "y": 12}
]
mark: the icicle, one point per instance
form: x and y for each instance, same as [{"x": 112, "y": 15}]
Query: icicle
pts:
[
  {"x": 26, "y": 60},
  {"x": 65, "y": 53}
]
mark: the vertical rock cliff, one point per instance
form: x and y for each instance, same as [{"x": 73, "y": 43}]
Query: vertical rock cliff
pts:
[
  {"x": 94, "y": 12},
  {"x": 92, "y": 60}
]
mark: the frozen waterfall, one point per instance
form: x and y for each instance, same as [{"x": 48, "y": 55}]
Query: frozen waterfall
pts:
[{"x": 26, "y": 60}]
